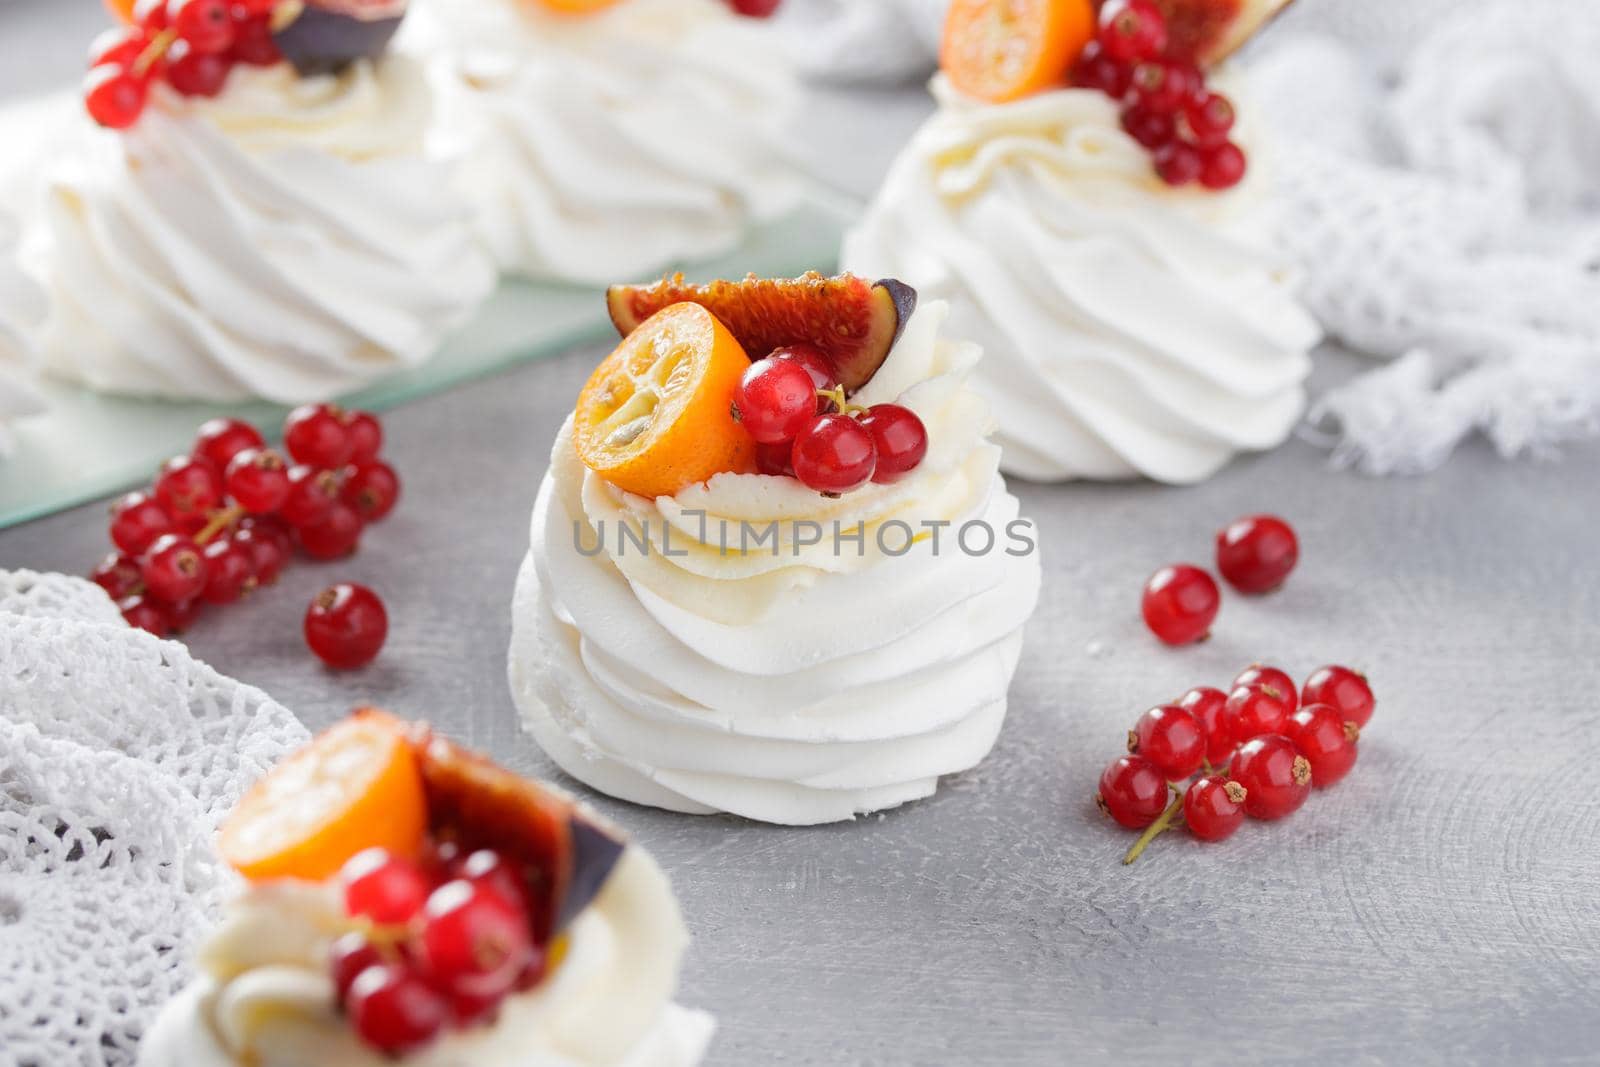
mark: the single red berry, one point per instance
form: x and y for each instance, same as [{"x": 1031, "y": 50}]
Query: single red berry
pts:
[
  {"x": 316, "y": 434},
  {"x": 114, "y": 96},
  {"x": 182, "y": 615},
  {"x": 1256, "y": 553},
  {"x": 1326, "y": 741},
  {"x": 312, "y": 495},
  {"x": 150, "y": 14},
  {"x": 1253, "y": 710},
  {"x": 1222, "y": 167},
  {"x": 346, "y": 625},
  {"x": 143, "y": 613},
  {"x": 467, "y": 1010},
  {"x": 1206, "y": 704},
  {"x": 1098, "y": 69},
  {"x": 335, "y": 537},
  {"x": 365, "y": 433},
  {"x": 230, "y": 571},
  {"x": 219, "y": 440},
  {"x": 347, "y": 958},
  {"x": 775, "y": 400},
  {"x": 490, "y": 870},
  {"x": 1177, "y": 163},
  {"x": 203, "y": 25},
  {"x": 1163, "y": 86},
  {"x": 1213, "y": 807},
  {"x": 1208, "y": 117},
  {"x": 373, "y": 489},
  {"x": 776, "y": 459},
  {"x": 188, "y": 488},
  {"x": 195, "y": 73},
  {"x": 834, "y": 454},
  {"x": 1171, "y": 738},
  {"x": 173, "y": 569},
  {"x": 1151, "y": 129},
  {"x": 474, "y": 941},
  {"x": 253, "y": 43},
  {"x": 1279, "y": 682},
  {"x": 119, "y": 575},
  {"x": 1276, "y": 778},
  {"x": 137, "y": 519},
  {"x": 120, "y": 46},
  {"x": 383, "y": 887},
  {"x": 258, "y": 480},
  {"x": 1133, "y": 32},
  {"x": 1180, "y": 603},
  {"x": 267, "y": 554},
  {"x": 533, "y": 973},
  {"x": 1132, "y": 791},
  {"x": 394, "y": 1009},
  {"x": 900, "y": 439},
  {"x": 755, "y": 9},
  {"x": 816, "y": 364},
  {"x": 1346, "y": 690}
]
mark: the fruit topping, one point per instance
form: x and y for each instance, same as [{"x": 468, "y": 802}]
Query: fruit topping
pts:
[
  {"x": 657, "y": 414},
  {"x": 900, "y": 438},
  {"x": 850, "y": 322},
  {"x": 1208, "y": 31},
  {"x": 394, "y": 1009},
  {"x": 776, "y": 398},
  {"x": 383, "y": 887},
  {"x": 328, "y": 35},
  {"x": 1000, "y": 50}
]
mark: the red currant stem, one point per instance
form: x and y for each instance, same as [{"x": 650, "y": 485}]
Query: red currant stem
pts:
[
  {"x": 157, "y": 48},
  {"x": 1163, "y": 823},
  {"x": 220, "y": 520},
  {"x": 836, "y": 394}
]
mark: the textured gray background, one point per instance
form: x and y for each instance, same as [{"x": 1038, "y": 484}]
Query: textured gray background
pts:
[{"x": 1440, "y": 905}]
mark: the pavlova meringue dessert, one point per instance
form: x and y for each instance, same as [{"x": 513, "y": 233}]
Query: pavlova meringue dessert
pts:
[
  {"x": 409, "y": 901},
  {"x": 609, "y": 139},
  {"x": 1106, "y": 241},
  {"x": 792, "y": 589},
  {"x": 22, "y": 308},
  {"x": 260, "y": 219}
]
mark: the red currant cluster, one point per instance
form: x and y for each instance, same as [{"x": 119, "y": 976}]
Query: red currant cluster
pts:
[
  {"x": 226, "y": 518},
  {"x": 443, "y": 943},
  {"x": 192, "y": 44},
  {"x": 755, "y": 9},
  {"x": 1166, "y": 105},
  {"x": 803, "y": 427},
  {"x": 1255, "y": 554},
  {"x": 1257, "y": 750}
]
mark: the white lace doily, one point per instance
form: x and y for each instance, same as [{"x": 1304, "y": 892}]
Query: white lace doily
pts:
[{"x": 119, "y": 755}]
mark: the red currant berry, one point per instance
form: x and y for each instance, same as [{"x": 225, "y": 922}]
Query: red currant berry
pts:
[
  {"x": 816, "y": 364},
  {"x": 1208, "y": 117},
  {"x": 143, "y": 613},
  {"x": 173, "y": 569},
  {"x": 474, "y": 941},
  {"x": 1276, "y": 682},
  {"x": 119, "y": 575},
  {"x": 1345, "y": 690},
  {"x": 467, "y": 1010},
  {"x": 1255, "y": 554},
  {"x": 267, "y": 554},
  {"x": 188, "y": 488},
  {"x": 365, "y": 434},
  {"x": 230, "y": 571},
  {"x": 1171, "y": 738},
  {"x": 204, "y": 25},
  {"x": 150, "y": 14},
  {"x": 776, "y": 459},
  {"x": 834, "y": 454},
  {"x": 316, "y": 434},
  {"x": 182, "y": 615},
  {"x": 347, "y": 958},
  {"x": 346, "y": 626},
  {"x": 1222, "y": 167},
  {"x": 258, "y": 480},
  {"x": 372, "y": 489},
  {"x": 1253, "y": 710},
  {"x": 1133, "y": 32},
  {"x": 1213, "y": 807},
  {"x": 1097, "y": 69},
  {"x": 394, "y": 1010},
  {"x": 755, "y": 9},
  {"x": 195, "y": 73},
  {"x": 533, "y": 973},
  {"x": 1326, "y": 741},
  {"x": 114, "y": 96},
  {"x": 137, "y": 519},
  {"x": 253, "y": 43},
  {"x": 1276, "y": 778},
  {"x": 900, "y": 439},
  {"x": 1163, "y": 86},
  {"x": 1177, "y": 163},
  {"x": 1206, "y": 704},
  {"x": 335, "y": 536},
  {"x": 381, "y": 886},
  {"x": 488, "y": 869},
  {"x": 1132, "y": 791},
  {"x": 120, "y": 46},
  {"x": 1150, "y": 128},
  {"x": 775, "y": 400},
  {"x": 312, "y": 495},
  {"x": 219, "y": 440},
  {"x": 1180, "y": 603}
]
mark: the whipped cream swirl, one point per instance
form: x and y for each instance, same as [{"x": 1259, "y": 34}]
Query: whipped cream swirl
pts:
[
  {"x": 605, "y": 147},
  {"x": 22, "y": 309},
  {"x": 799, "y": 681},
  {"x": 284, "y": 240},
  {"x": 265, "y": 998},
  {"x": 1132, "y": 329}
]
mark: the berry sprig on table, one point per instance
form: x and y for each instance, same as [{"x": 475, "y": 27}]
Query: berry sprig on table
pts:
[
  {"x": 1255, "y": 554},
  {"x": 1166, "y": 104},
  {"x": 1211, "y": 758},
  {"x": 192, "y": 45},
  {"x": 228, "y": 516}
]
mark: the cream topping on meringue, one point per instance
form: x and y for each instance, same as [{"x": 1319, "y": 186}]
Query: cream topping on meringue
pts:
[{"x": 22, "y": 308}]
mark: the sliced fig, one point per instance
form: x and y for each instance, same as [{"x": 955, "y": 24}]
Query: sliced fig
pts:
[
  {"x": 325, "y": 36},
  {"x": 1209, "y": 31},
  {"x": 853, "y": 322}
]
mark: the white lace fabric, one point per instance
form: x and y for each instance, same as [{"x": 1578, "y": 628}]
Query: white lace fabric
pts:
[{"x": 119, "y": 755}]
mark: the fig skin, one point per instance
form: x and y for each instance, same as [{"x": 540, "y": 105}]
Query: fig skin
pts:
[{"x": 321, "y": 40}]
